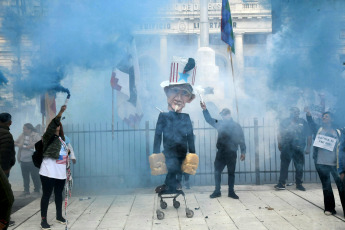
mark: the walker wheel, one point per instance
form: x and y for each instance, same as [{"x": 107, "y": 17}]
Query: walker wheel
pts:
[
  {"x": 164, "y": 205},
  {"x": 176, "y": 204},
  {"x": 189, "y": 213},
  {"x": 160, "y": 215}
]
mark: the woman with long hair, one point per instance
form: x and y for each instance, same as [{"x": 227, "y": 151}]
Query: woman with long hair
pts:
[
  {"x": 26, "y": 146},
  {"x": 53, "y": 168}
]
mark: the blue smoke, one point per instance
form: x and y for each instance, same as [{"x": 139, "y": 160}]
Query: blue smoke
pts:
[
  {"x": 86, "y": 34},
  {"x": 306, "y": 50},
  {"x": 3, "y": 79}
]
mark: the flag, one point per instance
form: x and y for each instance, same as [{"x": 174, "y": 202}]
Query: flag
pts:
[
  {"x": 226, "y": 26},
  {"x": 124, "y": 80}
]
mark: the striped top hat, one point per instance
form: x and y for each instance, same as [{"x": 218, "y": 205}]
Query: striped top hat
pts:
[{"x": 182, "y": 71}]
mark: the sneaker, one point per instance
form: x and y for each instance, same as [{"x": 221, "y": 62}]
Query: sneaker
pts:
[
  {"x": 233, "y": 195},
  {"x": 36, "y": 194},
  {"x": 11, "y": 223},
  {"x": 45, "y": 225},
  {"x": 300, "y": 187},
  {"x": 24, "y": 194},
  {"x": 61, "y": 220},
  {"x": 279, "y": 186},
  {"x": 328, "y": 213},
  {"x": 215, "y": 194}
]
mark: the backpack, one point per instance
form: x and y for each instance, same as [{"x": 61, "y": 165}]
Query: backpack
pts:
[{"x": 37, "y": 156}]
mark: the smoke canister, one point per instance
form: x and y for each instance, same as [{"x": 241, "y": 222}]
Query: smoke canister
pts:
[{"x": 66, "y": 101}]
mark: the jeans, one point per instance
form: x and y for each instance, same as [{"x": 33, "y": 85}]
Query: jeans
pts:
[
  {"x": 325, "y": 172},
  {"x": 48, "y": 184},
  {"x": 219, "y": 165},
  {"x": 27, "y": 169},
  {"x": 298, "y": 159}
]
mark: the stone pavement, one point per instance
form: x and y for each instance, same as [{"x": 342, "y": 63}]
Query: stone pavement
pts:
[{"x": 259, "y": 207}]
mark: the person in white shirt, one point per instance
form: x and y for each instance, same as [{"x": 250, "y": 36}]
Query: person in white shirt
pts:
[{"x": 53, "y": 168}]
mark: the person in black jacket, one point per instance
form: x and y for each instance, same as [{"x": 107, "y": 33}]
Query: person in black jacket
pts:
[
  {"x": 7, "y": 160},
  {"x": 230, "y": 136},
  {"x": 294, "y": 138}
]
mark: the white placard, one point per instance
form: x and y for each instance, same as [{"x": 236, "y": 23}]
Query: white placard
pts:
[{"x": 324, "y": 142}]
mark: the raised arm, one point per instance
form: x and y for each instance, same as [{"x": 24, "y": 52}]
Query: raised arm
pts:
[
  {"x": 207, "y": 116},
  {"x": 51, "y": 129},
  {"x": 312, "y": 125}
]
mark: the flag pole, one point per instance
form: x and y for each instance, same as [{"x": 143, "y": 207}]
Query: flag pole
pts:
[
  {"x": 112, "y": 122},
  {"x": 233, "y": 79}
]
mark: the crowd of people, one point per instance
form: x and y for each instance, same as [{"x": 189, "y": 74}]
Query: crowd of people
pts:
[
  {"x": 294, "y": 140},
  {"x": 57, "y": 150},
  {"x": 174, "y": 130}
]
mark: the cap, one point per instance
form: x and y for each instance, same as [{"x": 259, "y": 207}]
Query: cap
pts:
[{"x": 225, "y": 111}]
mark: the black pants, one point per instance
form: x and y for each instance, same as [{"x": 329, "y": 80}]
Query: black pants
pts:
[
  {"x": 221, "y": 161},
  {"x": 27, "y": 169},
  {"x": 174, "y": 171},
  {"x": 48, "y": 184},
  {"x": 298, "y": 159},
  {"x": 6, "y": 198},
  {"x": 325, "y": 172}
]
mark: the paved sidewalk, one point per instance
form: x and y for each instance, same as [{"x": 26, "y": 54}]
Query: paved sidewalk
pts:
[{"x": 259, "y": 207}]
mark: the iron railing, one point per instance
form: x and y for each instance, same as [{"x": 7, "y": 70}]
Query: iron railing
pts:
[{"x": 119, "y": 157}]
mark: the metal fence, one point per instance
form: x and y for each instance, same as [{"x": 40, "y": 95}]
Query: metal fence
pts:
[{"x": 119, "y": 158}]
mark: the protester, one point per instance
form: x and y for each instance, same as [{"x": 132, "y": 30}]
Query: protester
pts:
[
  {"x": 7, "y": 160},
  {"x": 230, "y": 136},
  {"x": 53, "y": 168},
  {"x": 294, "y": 138},
  {"x": 26, "y": 144},
  {"x": 175, "y": 127},
  {"x": 326, "y": 158}
]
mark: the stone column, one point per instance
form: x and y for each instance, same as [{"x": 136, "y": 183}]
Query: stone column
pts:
[
  {"x": 163, "y": 51},
  {"x": 204, "y": 24},
  {"x": 239, "y": 51}
]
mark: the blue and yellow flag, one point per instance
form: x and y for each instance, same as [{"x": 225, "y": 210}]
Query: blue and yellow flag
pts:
[{"x": 227, "y": 31}]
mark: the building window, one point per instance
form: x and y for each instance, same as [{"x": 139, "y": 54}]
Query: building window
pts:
[{"x": 254, "y": 39}]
